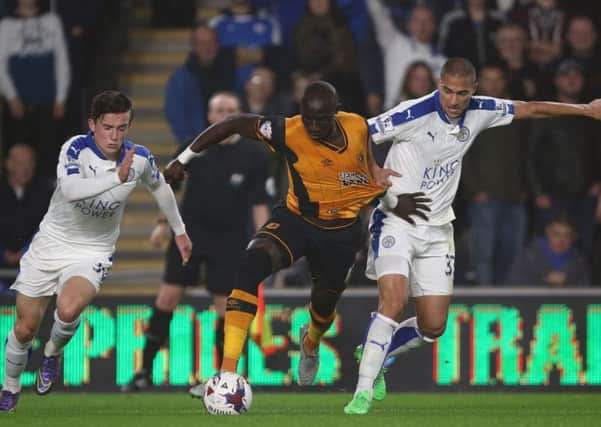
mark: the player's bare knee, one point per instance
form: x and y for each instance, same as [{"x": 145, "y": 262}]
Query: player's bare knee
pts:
[
  {"x": 67, "y": 314},
  {"x": 433, "y": 331},
  {"x": 166, "y": 302},
  {"x": 24, "y": 332},
  {"x": 392, "y": 302}
]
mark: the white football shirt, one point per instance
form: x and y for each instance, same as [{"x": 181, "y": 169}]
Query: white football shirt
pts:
[
  {"x": 92, "y": 224},
  {"x": 428, "y": 148}
]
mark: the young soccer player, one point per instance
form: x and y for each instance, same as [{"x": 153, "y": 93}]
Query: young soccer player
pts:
[{"x": 72, "y": 252}]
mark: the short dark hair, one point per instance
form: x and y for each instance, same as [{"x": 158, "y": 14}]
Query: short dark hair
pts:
[
  {"x": 111, "y": 101},
  {"x": 459, "y": 67}
]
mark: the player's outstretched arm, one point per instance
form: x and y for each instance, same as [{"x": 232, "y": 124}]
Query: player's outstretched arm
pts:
[
  {"x": 541, "y": 109},
  {"x": 244, "y": 125}
]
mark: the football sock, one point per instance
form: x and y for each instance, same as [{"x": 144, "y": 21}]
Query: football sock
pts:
[
  {"x": 317, "y": 327},
  {"x": 219, "y": 339},
  {"x": 156, "y": 335},
  {"x": 240, "y": 311},
  {"x": 60, "y": 335},
  {"x": 407, "y": 337},
  {"x": 16, "y": 355},
  {"x": 375, "y": 348}
]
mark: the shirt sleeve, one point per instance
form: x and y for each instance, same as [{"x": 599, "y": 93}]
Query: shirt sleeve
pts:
[
  {"x": 392, "y": 124},
  {"x": 272, "y": 130},
  {"x": 151, "y": 176},
  {"x": 73, "y": 185},
  {"x": 493, "y": 111}
]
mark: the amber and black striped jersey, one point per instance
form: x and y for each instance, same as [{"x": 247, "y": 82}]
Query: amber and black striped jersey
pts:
[{"x": 326, "y": 182}]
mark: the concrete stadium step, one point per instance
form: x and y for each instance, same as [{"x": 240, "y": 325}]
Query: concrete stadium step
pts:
[
  {"x": 155, "y": 40},
  {"x": 156, "y": 58},
  {"x": 153, "y": 124},
  {"x": 150, "y": 137}
]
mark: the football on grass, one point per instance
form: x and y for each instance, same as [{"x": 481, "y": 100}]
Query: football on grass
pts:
[{"x": 227, "y": 393}]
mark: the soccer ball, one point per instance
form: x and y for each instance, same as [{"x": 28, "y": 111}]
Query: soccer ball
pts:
[{"x": 227, "y": 393}]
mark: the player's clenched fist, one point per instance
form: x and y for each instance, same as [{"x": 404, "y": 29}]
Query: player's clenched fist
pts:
[{"x": 174, "y": 172}]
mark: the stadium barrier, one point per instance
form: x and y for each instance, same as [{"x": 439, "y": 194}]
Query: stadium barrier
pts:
[{"x": 496, "y": 338}]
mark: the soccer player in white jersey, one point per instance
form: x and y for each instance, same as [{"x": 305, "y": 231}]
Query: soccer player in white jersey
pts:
[
  {"x": 430, "y": 137},
  {"x": 72, "y": 252}
]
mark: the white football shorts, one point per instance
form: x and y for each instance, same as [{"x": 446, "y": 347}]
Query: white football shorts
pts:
[
  {"x": 48, "y": 264},
  {"x": 425, "y": 254}
]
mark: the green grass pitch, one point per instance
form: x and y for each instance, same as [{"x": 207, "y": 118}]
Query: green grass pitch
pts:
[{"x": 310, "y": 410}]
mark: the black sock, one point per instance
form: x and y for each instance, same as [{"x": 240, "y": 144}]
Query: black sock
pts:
[
  {"x": 219, "y": 339},
  {"x": 156, "y": 335}
]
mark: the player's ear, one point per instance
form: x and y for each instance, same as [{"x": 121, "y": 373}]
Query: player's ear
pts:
[{"x": 475, "y": 87}]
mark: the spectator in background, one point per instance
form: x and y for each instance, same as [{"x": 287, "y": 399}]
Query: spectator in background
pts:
[
  {"x": 543, "y": 21},
  {"x": 34, "y": 79},
  {"x": 582, "y": 45},
  {"x": 249, "y": 33},
  {"x": 400, "y": 50},
  {"x": 494, "y": 183},
  {"x": 24, "y": 202},
  {"x": 564, "y": 159},
  {"x": 469, "y": 32},
  {"x": 552, "y": 260},
  {"x": 324, "y": 46},
  {"x": 418, "y": 82},
  {"x": 511, "y": 41},
  {"x": 261, "y": 93},
  {"x": 208, "y": 69},
  {"x": 82, "y": 24}
]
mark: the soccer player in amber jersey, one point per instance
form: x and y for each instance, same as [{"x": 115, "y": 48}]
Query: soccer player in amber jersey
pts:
[{"x": 331, "y": 177}]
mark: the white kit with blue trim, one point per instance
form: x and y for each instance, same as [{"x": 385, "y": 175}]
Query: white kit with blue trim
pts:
[{"x": 428, "y": 148}]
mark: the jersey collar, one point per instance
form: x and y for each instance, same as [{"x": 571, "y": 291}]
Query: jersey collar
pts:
[{"x": 91, "y": 144}]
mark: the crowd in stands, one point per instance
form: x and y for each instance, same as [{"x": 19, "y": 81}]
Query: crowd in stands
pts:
[{"x": 531, "y": 192}]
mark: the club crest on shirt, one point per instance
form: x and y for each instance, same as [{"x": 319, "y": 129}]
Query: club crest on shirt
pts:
[
  {"x": 388, "y": 241},
  {"x": 327, "y": 162},
  {"x": 265, "y": 130},
  {"x": 464, "y": 134}
]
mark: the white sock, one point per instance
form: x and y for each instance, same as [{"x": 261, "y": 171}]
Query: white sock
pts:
[
  {"x": 407, "y": 337},
  {"x": 375, "y": 348},
  {"x": 60, "y": 335},
  {"x": 16, "y": 356}
]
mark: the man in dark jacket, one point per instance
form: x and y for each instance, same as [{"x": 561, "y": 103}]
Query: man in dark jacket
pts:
[
  {"x": 208, "y": 69},
  {"x": 552, "y": 260},
  {"x": 495, "y": 183},
  {"x": 24, "y": 201},
  {"x": 564, "y": 160}
]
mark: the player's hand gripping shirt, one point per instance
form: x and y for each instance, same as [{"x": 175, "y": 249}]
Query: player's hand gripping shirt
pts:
[
  {"x": 428, "y": 148},
  {"x": 326, "y": 182},
  {"x": 92, "y": 223}
]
